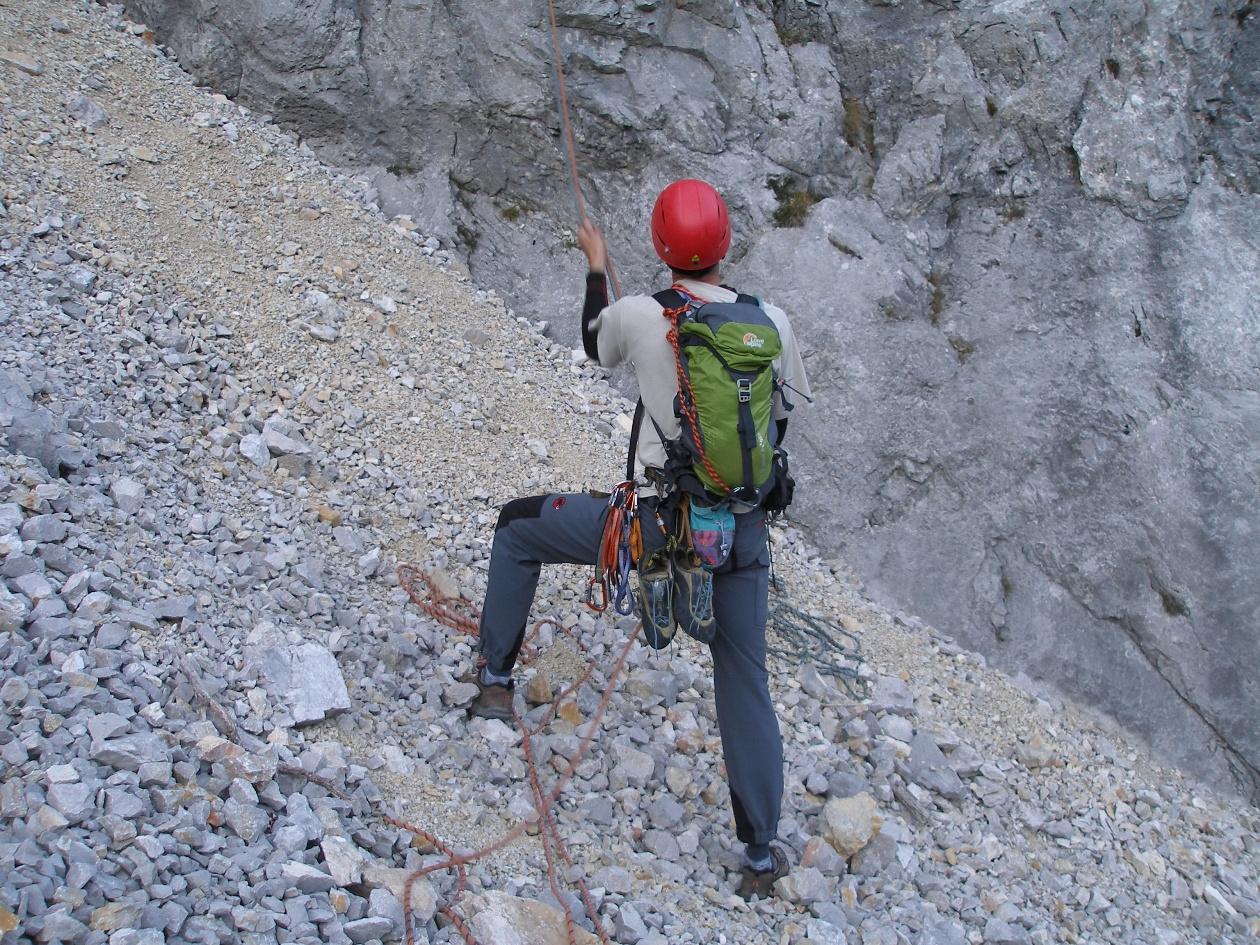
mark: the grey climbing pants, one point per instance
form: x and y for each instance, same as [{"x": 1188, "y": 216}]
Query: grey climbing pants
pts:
[{"x": 556, "y": 529}]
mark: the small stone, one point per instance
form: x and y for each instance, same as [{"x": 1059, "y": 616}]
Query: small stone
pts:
[
  {"x": 424, "y": 900},
  {"x": 928, "y": 768},
  {"x": 459, "y": 694},
  {"x": 256, "y": 769},
  {"x": 142, "y": 153},
  {"x": 875, "y": 857},
  {"x": 51, "y": 819},
  {"x": 850, "y": 823},
  {"x": 129, "y": 752},
  {"x": 60, "y": 926},
  {"x": 23, "y": 62},
  {"x": 254, "y": 448},
  {"x": 679, "y": 781},
  {"x": 804, "y": 885},
  {"x": 662, "y": 843},
  {"x": 324, "y": 333},
  {"x": 890, "y": 694},
  {"x": 43, "y": 528},
  {"x": 665, "y": 812},
  {"x": 846, "y": 784},
  {"x": 115, "y": 915},
  {"x": 1035, "y": 753},
  {"x": 538, "y": 692},
  {"x": 247, "y": 820},
  {"x": 637, "y": 765},
  {"x": 997, "y": 932},
  {"x": 943, "y": 933},
  {"x": 822, "y": 856},
  {"x": 345, "y": 861},
  {"x": 630, "y": 927},
  {"x": 615, "y": 879},
  {"x": 821, "y": 932},
  {"x": 570, "y": 712},
  {"x": 307, "y": 879},
  {"x": 127, "y": 494},
  {"x": 328, "y": 515},
  {"x": 14, "y": 690},
  {"x": 137, "y": 937},
  {"x": 383, "y": 905},
  {"x": 86, "y": 112}
]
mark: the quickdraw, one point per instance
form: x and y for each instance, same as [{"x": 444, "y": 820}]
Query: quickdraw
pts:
[{"x": 619, "y": 549}]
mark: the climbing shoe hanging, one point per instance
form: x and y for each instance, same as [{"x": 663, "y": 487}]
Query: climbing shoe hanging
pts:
[
  {"x": 656, "y": 593},
  {"x": 693, "y": 596}
]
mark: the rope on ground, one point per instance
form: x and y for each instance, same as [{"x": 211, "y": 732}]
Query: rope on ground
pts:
[
  {"x": 458, "y": 614},
  {"x": 826, "y": 644}
]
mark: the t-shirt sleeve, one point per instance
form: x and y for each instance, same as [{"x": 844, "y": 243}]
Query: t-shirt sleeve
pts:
[
  {"x": 610, "y": 336},
  {"x": 790, "y": 366}
]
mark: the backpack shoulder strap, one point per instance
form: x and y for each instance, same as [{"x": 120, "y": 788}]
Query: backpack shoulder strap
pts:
[
  {"x": 667, "y": 298},
  {"x": 634, "y": 439},
  {"x": 748, "y": 299},
  {"x": 670, "y": 298}
]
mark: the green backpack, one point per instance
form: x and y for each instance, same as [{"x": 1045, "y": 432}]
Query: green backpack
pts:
[{"x": 725, "y": 353}]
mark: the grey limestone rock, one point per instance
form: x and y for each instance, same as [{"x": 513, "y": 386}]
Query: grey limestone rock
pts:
[
  {"x": 890, "y": 694},
  {"x": 929, "y": 768},
  {"x": 1027, "y": 297},
  {"x": 127, "y": 494},
  {"x": 305, "y": 678},
  {"x": 366, "y": 929},
  {"x": 129, "y": 752},
  {"x": 85, "y": 111},
  {"x": 254, "y": 448}
]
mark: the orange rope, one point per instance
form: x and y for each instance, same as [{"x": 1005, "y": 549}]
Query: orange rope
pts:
[
  {"x": 463, "y": 617},
  {"x": 568, "y": 138},
  {"x": 688, "y": 402}
]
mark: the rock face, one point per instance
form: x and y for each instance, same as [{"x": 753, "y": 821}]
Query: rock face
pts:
[{"x": 1027, "y": 299}]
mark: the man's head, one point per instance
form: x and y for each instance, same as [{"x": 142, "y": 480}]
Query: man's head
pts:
[{"x": 691, "y": 230}]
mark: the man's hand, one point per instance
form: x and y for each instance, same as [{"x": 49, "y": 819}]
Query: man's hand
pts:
[{"x": 591, "y": 242}]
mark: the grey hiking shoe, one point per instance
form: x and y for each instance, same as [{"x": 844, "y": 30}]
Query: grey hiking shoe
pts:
[
  {"x": 492, "y": 702},
  {"x": 752, "y": 883}
]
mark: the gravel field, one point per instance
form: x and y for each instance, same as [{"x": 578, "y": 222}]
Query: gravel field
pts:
[{"x": 234, "y": 398}]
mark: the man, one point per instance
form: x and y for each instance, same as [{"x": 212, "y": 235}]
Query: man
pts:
[{"x": 691, "y": 233}]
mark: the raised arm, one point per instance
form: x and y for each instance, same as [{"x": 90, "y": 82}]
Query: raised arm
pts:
[{"x": 592, "y": 244}]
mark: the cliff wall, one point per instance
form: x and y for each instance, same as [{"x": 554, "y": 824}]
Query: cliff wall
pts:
[{"x": 1026, "y": 275}]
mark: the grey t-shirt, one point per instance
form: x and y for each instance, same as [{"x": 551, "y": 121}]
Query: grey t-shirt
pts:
[{"x": 633, "y": 329}]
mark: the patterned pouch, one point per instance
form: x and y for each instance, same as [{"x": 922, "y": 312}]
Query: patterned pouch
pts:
[{"x": 712, "y": 533}]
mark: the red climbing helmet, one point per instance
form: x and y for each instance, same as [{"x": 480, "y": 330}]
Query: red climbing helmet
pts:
[{"x": 690, "y": 227}]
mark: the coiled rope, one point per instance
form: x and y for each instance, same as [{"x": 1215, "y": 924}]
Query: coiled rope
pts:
[{"x": 807, "y": 637}]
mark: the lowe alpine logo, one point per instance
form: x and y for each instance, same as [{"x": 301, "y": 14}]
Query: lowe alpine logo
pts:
[{"x": 752, "y": 341}]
